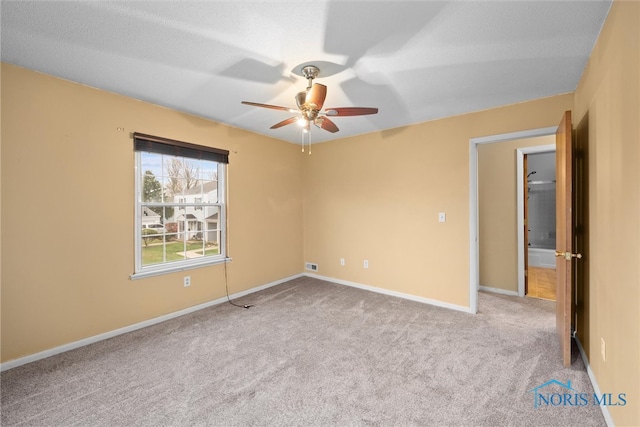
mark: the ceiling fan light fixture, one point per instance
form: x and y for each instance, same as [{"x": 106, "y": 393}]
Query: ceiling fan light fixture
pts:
[{"x": 300, "y": 98}]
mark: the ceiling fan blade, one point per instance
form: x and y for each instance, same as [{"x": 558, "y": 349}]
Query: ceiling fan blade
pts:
[
  {"x": 316, "y": 96},
  {"x": 285, "y": 122},
  {"x": 326, "y": 124},
  {"x": 350, "y": 111},
  {"x": 273, "y": 107}
]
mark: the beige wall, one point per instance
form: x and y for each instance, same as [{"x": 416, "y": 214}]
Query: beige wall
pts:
[
  {"x": 68, "y": 212},
  {"x": 377, "y": 197},
  {"x": 497, "y": 211},
  {"x": 67, "y": 191},
  {"x": 607, "y": 106}
]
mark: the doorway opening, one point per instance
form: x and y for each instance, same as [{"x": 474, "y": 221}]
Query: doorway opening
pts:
[
  {"x": 536, "y": 221},
  {"x": 566, "y": 233},
  {"x": 474, "y": 238}
]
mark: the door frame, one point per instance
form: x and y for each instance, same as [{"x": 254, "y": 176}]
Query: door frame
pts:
[
  {"x": 520, "y": 152},
  {"x": 474, "y": 242}
]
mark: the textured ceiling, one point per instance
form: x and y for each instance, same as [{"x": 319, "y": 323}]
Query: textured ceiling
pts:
[{"x": 416, "y": 61}]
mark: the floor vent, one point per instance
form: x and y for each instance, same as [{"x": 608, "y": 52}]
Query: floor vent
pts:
[{"x": 311, "y": 266}]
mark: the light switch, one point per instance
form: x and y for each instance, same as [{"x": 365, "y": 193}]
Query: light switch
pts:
[{"x": 442, "y": 217}]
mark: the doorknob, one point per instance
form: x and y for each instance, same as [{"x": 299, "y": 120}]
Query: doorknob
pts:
[{"x": 568, "y": 255}]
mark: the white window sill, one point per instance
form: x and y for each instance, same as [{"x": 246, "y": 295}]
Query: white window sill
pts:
[{"x": 172, "y": 269}]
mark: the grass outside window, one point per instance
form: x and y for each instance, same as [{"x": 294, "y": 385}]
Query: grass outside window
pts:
[{"x": 175, "y": 251}]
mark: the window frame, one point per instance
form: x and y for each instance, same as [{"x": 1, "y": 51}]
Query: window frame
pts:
[{"x": 141, "y": 271}]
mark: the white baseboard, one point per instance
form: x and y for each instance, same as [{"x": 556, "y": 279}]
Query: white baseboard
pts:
[
  {"x": 96, "y": 338},
  {"x": 392, "y": 293},
  {"x": 594, "y": 383},
  {"x": 498, "y": 291}
]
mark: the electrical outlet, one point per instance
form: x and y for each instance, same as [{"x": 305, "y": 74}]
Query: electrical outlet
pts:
[
  {"x": 603, "y": 349},
  {"x": 342, "y": 261},
  {"x": 187, "y": 281},
  {"x": 366, "y": 263}
]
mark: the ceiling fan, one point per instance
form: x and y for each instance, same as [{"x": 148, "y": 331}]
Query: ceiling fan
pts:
[{"x": 310, "y": 102}]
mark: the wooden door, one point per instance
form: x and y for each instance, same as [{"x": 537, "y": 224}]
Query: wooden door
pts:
[{"x": 564, "y": 235}]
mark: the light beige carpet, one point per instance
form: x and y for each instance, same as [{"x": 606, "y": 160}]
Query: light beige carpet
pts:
[{"x": 311, "y": 353}]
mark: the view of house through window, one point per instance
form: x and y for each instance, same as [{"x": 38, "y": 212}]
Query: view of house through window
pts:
[{"x": 180, "y": 211}]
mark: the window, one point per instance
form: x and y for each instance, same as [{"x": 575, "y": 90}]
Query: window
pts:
[{"x": 180, "y": 205}]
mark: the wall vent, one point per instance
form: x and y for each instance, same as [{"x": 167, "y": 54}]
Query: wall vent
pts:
[{"x": 311, "y": 266}]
